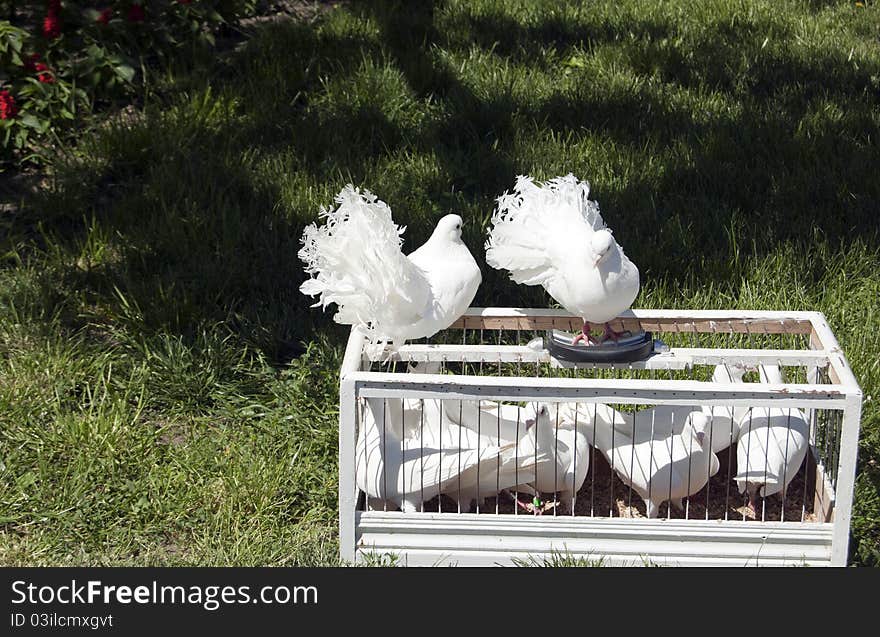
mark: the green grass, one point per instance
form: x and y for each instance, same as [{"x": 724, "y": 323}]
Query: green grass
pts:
[
  {"x": 559, "y": 559},
  {"x": 167, "y": 396}
]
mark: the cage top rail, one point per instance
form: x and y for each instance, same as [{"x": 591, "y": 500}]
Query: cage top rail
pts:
[
  {"x": 700, "y": 321},
  {"x": 675, "y": 358}
]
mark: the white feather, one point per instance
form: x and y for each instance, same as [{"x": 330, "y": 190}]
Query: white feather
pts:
[
  {"x": 404, "y": 471},
  {"x": 668, "y": 467},
  {"x": 569, "y": 450},
  {"x": 355, "y": 261},
  {"x": 408, "y": 451},
  {"x": 656, "y": 422},
  {"x": 542, "y": 235},
  {"x": 772, "y": 444}
]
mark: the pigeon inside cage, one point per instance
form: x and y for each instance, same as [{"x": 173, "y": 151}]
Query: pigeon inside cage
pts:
[{"x": 589, "y": 458}]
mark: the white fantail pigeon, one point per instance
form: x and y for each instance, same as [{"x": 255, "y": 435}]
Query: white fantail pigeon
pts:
[
  {"x": 564, "y": 444},
  {"x": 355, "y": 260},
  {"x": 725, "y": 420},
  {"x": 552, "y": 235}
]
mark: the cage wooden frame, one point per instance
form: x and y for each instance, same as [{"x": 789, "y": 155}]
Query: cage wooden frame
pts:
[{"x": 473, "y": 539}]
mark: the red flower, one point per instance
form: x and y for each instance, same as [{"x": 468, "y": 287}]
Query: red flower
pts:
[
  {"x": 51, "y": 26},
  {"x": 45, "y": 74},
  {"x": 32, "y": 63},
  {"x": 105, "y": 16},
  {"x": 136, "y": 13},
  {"x": 7, "y": 105}
]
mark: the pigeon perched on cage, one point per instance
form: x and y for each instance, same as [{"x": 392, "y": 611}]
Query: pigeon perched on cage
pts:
[
  {"x": 771, "y": 448},
  {"x": 355, "y": 260},
  {"x": 662, "y": 469},
  {"x": 552, "y": 235}
]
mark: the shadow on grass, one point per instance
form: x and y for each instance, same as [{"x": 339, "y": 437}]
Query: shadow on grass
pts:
[{"x": 204, "y": 236}]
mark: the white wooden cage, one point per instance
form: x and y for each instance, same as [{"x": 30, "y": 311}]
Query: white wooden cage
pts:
[{"x": 492, "y": 354}]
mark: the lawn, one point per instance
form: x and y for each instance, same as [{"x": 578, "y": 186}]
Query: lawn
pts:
[{"x": 168, "y": 397}]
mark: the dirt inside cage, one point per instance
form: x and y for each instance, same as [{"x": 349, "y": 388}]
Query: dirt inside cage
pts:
[{"x": 604, "y": 494}]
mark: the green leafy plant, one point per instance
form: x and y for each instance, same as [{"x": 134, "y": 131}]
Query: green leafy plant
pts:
[{"x": 59, "y": 60}]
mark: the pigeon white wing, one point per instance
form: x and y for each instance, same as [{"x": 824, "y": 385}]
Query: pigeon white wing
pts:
[
  {"x": 406, "y": 471},
  {"x": 773, "y": 442},
  {"x": 443, "y": 469},
  {"x": 534, "y": 226},
  {"x": 771, "y": 448},
  {"x": 661, "y": 470},
  {"x": 501, "y": 423},
  {"x": 355, "y": 261}
]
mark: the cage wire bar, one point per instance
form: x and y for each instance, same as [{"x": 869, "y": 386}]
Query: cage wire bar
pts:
[{"x": 490, "y": 354}]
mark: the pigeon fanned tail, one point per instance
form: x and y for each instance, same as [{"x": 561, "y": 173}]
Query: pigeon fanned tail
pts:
[
  {"x": 530, "y": 221},
  {"x": 355, "y": 261}
]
